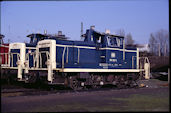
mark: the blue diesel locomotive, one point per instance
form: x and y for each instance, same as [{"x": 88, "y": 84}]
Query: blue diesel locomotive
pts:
[{"x": 101, "y": 58}]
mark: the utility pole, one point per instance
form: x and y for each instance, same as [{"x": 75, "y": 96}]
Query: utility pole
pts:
[{"x": 81, "y": 29}]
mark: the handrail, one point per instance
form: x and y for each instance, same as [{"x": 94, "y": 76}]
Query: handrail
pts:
[
  {"x": 18, "y": 57},
  {"x": 63, "y": 58},
  {"x": 34, "y": 59},
  {"x": 146, "y": 60},
  {"x": 78, "y": 55},
  {"x": 67, "y": 56},
  {"x": 40, "y": 56}
]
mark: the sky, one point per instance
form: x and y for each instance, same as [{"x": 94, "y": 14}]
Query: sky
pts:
[{"x": 138, "y": 17}]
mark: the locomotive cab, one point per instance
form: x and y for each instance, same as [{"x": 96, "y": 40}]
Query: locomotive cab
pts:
[
  {"x": 111, "y": 48},
  {"x": 103, "y": 39}
]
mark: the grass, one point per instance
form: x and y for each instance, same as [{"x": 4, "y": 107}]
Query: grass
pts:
[
  {"x": 135, "y": 102},
  {"x": 76, "y": 107},
  {"x": 145, "y": 103}
]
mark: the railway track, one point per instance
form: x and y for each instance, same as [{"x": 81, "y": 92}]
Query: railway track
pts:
[
  {"x": 49, "y": 90},
  {"x": 60, "y": 90},
  {"x": 24, "y": 89}
]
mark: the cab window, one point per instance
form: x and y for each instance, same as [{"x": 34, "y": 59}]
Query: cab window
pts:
[
  {"x": 114, "y": 41},
  {"x": 33, "y": 40}
]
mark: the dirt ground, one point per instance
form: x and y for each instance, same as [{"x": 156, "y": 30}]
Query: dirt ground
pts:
[{"x": 155, "y": 97}]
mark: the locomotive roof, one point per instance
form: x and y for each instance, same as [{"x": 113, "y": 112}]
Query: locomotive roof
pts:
[
  {"x": 116, "y": 36},
  {"x": 32, "y": 35},
  {"x": 98, "y": 33},
  {"x": 109, "y": 34},
  {"x": 60, "y": 37}
]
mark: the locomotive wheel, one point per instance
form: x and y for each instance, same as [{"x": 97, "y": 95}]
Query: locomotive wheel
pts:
[
  {"x": 75, "y": 84},
  {"x": 95, "y": 82},
  {"x": 121, "y": 82}
]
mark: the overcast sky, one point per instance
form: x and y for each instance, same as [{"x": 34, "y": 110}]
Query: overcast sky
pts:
[{"x": 138, "y": 17}]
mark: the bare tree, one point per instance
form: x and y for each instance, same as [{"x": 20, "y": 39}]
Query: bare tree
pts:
[
  {"x": 129, "y": 40},
  {"x": 121, "y": 32},
  {"x": 163, "y": 39},
  {"x": 167, "y": 45},
  {"x": 159, "y": 42},
  {"x": 152, "y": 44}
]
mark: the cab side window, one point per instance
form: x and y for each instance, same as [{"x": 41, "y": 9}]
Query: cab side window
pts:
[{"x": 114, "y": 42}]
